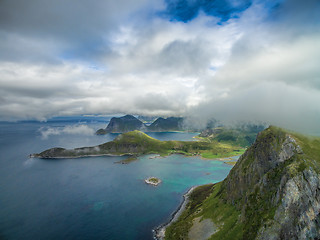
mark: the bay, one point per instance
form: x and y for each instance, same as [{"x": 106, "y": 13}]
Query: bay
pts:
[{"x": 89, "y": 198}]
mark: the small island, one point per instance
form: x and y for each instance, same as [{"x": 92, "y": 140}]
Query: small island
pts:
[{"x": 152, "y": 181}]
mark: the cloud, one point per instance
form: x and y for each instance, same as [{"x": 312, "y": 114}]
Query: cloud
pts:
[
  {"x": 271, "y": 75},
  {"x": 237, "y": 60},
  {"x": 72, "y": 130}
]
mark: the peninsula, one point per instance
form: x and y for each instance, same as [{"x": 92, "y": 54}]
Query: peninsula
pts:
[{"x": 137, "y": 143}]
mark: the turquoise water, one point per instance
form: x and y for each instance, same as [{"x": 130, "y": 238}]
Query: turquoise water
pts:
[{"x": 89, "y": 198}]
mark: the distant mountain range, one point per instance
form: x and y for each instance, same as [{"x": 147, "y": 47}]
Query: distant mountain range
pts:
[{"x": 129, "y": 123}]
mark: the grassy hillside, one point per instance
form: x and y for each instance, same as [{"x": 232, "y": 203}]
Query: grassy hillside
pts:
[{"x": 243, "y": 136}]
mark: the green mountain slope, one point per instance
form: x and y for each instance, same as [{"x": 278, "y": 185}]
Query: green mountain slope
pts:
[
  {"x": 273, "y": 192},
  {"x": 243, "y": 135}
]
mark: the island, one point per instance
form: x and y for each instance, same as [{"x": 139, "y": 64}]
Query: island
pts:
[
  {"x": 129, "y": 123},
  {"x": 167, "y": 124},
  {"x": 153, "y": 181},
  {"x": 136, "y": 143},
  {"x": 123, "y": 124}
]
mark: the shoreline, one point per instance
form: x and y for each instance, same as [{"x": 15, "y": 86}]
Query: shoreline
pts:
[
  {"x": 159, "y": 232},
  {"x": 83, "y": 156},
  {"x": 226, "y": 160}
]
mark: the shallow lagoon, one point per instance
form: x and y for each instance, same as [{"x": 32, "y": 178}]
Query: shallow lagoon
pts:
[{"x": 89, "y": 198}]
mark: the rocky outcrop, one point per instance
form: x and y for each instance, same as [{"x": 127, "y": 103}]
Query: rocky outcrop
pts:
[
  {"x": 297, "y": 216},
  {"x": 167, "y": 124},
  {"x": 123, "y": 124},
  {"x": 130, "y": 123}
]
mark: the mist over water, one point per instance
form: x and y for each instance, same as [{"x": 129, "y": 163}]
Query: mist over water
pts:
[{"x": 88, "y": 198}]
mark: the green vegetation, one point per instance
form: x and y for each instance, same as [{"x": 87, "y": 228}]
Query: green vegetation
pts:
[
  {"x": 137, "y": 143},
  {"x": 243, "y": 136},
  {"x": 153, "y": 179},
  {"x": 310, "y": 146},
  {"x": 205, "y": 201},
  {"x": 223, "y": 154}
]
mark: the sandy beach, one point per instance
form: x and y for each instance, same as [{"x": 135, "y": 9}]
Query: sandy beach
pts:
[{"x": 159, "y": 232}]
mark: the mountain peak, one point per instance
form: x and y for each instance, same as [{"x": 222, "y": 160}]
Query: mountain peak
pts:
[{"x": 123, "y": 124}]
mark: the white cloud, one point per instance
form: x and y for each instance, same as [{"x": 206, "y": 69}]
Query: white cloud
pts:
[
  {"x": 71, "y": 129},
  {"x": 123, "y": 60}
]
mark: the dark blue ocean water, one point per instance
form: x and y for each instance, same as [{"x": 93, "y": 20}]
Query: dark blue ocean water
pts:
[{"x": 88, "y": 198}]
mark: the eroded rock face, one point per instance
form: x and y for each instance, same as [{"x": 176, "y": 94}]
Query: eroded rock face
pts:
[
  {"x": 297, "y": 216},
  {"x": 201, "y": 229},
  {"x": 264, "y": 155},
  {"x": 289, "y": 147}
]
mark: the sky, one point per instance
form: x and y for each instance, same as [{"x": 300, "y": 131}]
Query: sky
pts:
[{"x": 232, "y": 60}]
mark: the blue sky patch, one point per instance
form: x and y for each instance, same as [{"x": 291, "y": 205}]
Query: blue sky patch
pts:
[{"x": 186, "y": 10}]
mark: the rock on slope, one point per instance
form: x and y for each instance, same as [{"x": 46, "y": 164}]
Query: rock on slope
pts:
[{"x": 273, "y": 192}]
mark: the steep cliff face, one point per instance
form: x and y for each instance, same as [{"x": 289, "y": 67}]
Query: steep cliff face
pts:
[
  {"x": 123, "y": 124},
  {"x": 273, "y": 192},
  {"x": 168, "y": 124},
  {"x": 130, "y": 123},
  {"x": 276, "y": 188}
]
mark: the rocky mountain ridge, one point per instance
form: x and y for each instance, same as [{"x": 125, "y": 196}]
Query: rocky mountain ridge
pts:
[
  {"x": 273, "y": 192},
  {"x": 129, "y": 123}
]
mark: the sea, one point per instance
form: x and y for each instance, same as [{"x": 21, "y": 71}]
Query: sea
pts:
[{"x": 91, "y": 197}]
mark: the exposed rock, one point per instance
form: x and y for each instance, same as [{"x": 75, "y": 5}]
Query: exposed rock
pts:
[
  {"x": 130, "y": 123},
  {"x": 297, "y": 216},
  {"x": 168, "y": 124},
  {"x": 152, "y": 181},
  {"x": 122, "y": 124},
  {"x": 201, "y": 229}
]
